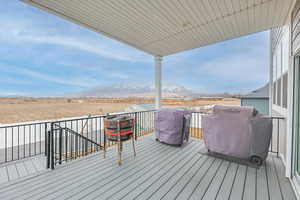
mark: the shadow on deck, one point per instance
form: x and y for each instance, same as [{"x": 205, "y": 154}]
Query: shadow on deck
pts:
[{"x": 158, "y": 172}]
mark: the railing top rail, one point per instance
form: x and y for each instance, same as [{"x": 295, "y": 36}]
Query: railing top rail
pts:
[
  {"x": 25, "y": 124},
  {"x": 99, "y": 116},
  {"x": 277, "y": 117}
]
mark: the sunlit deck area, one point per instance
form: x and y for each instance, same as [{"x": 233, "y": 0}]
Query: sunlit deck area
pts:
[{"x": 158, "y": 172}]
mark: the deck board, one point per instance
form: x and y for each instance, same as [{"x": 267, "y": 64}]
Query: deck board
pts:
[
  {"x": 216, "y": 183},
  {"x": 203, "y": 185},
  {"x": 226, "y": 187},
  {"x": 238, "y": 185},
  {"x": 262, "y": 190},
  {"x": 250, "y": 184},
  {"x": 158, "y": 172},
  {"x": 273, "y": 183},
  {"x": 15, "y": 170},
  {"x": 3, "y": 175}
]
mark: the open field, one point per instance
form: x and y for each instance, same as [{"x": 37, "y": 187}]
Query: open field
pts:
[{"x": 13, "y": 110}]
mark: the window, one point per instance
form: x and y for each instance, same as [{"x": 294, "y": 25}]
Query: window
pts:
[
  {"x": 278, "y": 102},
  {"x": 284, "y": 90},
  {"x": 274, "y": 93},
  {"x": 280, "y": 73}
]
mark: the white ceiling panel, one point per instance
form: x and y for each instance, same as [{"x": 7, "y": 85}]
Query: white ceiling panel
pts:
[{"x": 164, "y": 27}]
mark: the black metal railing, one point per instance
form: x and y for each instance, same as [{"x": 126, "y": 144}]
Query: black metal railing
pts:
[
  {"x": 77, "y": 139},
  {"x": 23, "y": 140},
  {"x": 74, "y": 138},
  {"x": 276, "y": 140}
]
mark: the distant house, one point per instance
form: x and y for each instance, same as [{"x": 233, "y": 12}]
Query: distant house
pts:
[{"x": 258, "y": 98}]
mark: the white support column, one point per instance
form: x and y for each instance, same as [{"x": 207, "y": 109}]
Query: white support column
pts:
[
  {"x": 158, "y": 62},
  {"x": 270, "y": 76}
]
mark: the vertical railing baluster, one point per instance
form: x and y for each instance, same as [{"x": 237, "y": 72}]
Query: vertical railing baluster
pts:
[
  {"x": 12, "y": 143},
  {"x": 29, "y": 143},
  {"x": 35, "y": 139},
  {"x": 72, "y": 143},
  {"x": 278, "y": 130},
  {"x": 5, "y": 130},
  {"x": 46, "y": 139},
  {"x": 48, "y": 149},
  {"x": 18, "y": 142},
  {"x": 60, "y": 144},
  {"x": 24, "y": 141},
  {"x": 52, "y": 146},
  {"x": 40, "y": 138}
]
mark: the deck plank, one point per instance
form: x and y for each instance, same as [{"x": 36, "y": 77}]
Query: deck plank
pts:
[
  {"x": 158, "y": 172},
  {"x": 238, "y": 185},
  {"x": 50, "y": 186},
  {"x": 250, "y": 184},
  {"x": 39, "y": 166},
  {"x": 177, "y": 187},
  {"x": 152, "y": 184},
  {"x": 147, "y": 171},
  {"x": 12, "y": 172},
  {"x": 21, "y": 169},
  {"x": 274, "y": 187},
  {"x": 286, "y": 187},
  {"x": 226, "y": 187},
  {"x": 262, "y": 190},
  {"x": 202, "y": 187},
  {"x": 30, "y": 167},
  {"x": 119, "y": 174},
  {"x": 3, "y": 175},
  {"x": 51, "y": 178},
  {"x": 193, "y": 182},
  {"x": 213, "y": 190}
]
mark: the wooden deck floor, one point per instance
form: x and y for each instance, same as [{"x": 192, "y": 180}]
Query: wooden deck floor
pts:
[
  {"x": 158, "y": 172},
  {"x": 21, "y": 168}
]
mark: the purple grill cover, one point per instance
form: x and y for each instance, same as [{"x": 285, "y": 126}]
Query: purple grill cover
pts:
[
  {"x": 172, "y": 125},
  {"x": 237, "y": 131}
]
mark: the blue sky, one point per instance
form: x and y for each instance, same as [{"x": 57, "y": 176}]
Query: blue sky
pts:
[{"x": 43, "y": 55}]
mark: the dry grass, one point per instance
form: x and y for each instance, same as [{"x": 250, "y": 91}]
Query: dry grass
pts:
[
  {"x": 21, "y": 110},
  {"x": 15, "y": 110}
]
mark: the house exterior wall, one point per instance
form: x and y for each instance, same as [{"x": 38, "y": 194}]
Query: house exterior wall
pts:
[
  {"x": 280, "y": 72},
  {"x": 284, "y": 53},
  {"x": 261, "y": 104}
]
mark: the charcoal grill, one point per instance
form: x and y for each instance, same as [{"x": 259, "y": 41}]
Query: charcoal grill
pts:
[{"x": 119, "y": 129}]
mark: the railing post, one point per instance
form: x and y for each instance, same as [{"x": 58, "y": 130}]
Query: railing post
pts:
[
  {"x": 60, "y": 145},
  {"x": 48, "y": 149},
  {"x": 52, "y": 146},
  {"x": 278, "y": 127},
  {"x": 46, "y": 139},
  {"x": 135, "y": 127}
]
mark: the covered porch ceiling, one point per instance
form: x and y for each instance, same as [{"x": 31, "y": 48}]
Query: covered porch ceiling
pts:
[{"x": 164, "y": 27}]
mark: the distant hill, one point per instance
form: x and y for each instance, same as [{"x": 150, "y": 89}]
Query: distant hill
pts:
[{"x": 127, "y": 90}]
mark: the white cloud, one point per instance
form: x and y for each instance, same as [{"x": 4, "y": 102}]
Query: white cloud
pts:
[
  {"x": 82, "y": 81},
  {"x": 24, "y": 31},
  {"x": 237, "y": 67},
  {"x": 119, "y": 75}
]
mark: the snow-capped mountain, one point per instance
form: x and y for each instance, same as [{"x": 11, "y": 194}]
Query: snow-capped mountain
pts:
[{"x": 128, "y": 90}]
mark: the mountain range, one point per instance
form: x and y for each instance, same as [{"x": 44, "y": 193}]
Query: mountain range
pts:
[{"x": 130, "y": 90}]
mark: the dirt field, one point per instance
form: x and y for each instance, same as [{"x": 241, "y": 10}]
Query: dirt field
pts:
[
  {"x": 13, "y": 110},
  {"x": 21, "y": 110}
]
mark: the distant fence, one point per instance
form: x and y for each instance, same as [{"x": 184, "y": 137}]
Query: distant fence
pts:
[{"x": 196, "y": 130}]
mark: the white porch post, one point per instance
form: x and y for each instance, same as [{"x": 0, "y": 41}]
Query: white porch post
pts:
[
  {"x": 270, "y": 76},
  {"x": 158, "y": 62}
]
